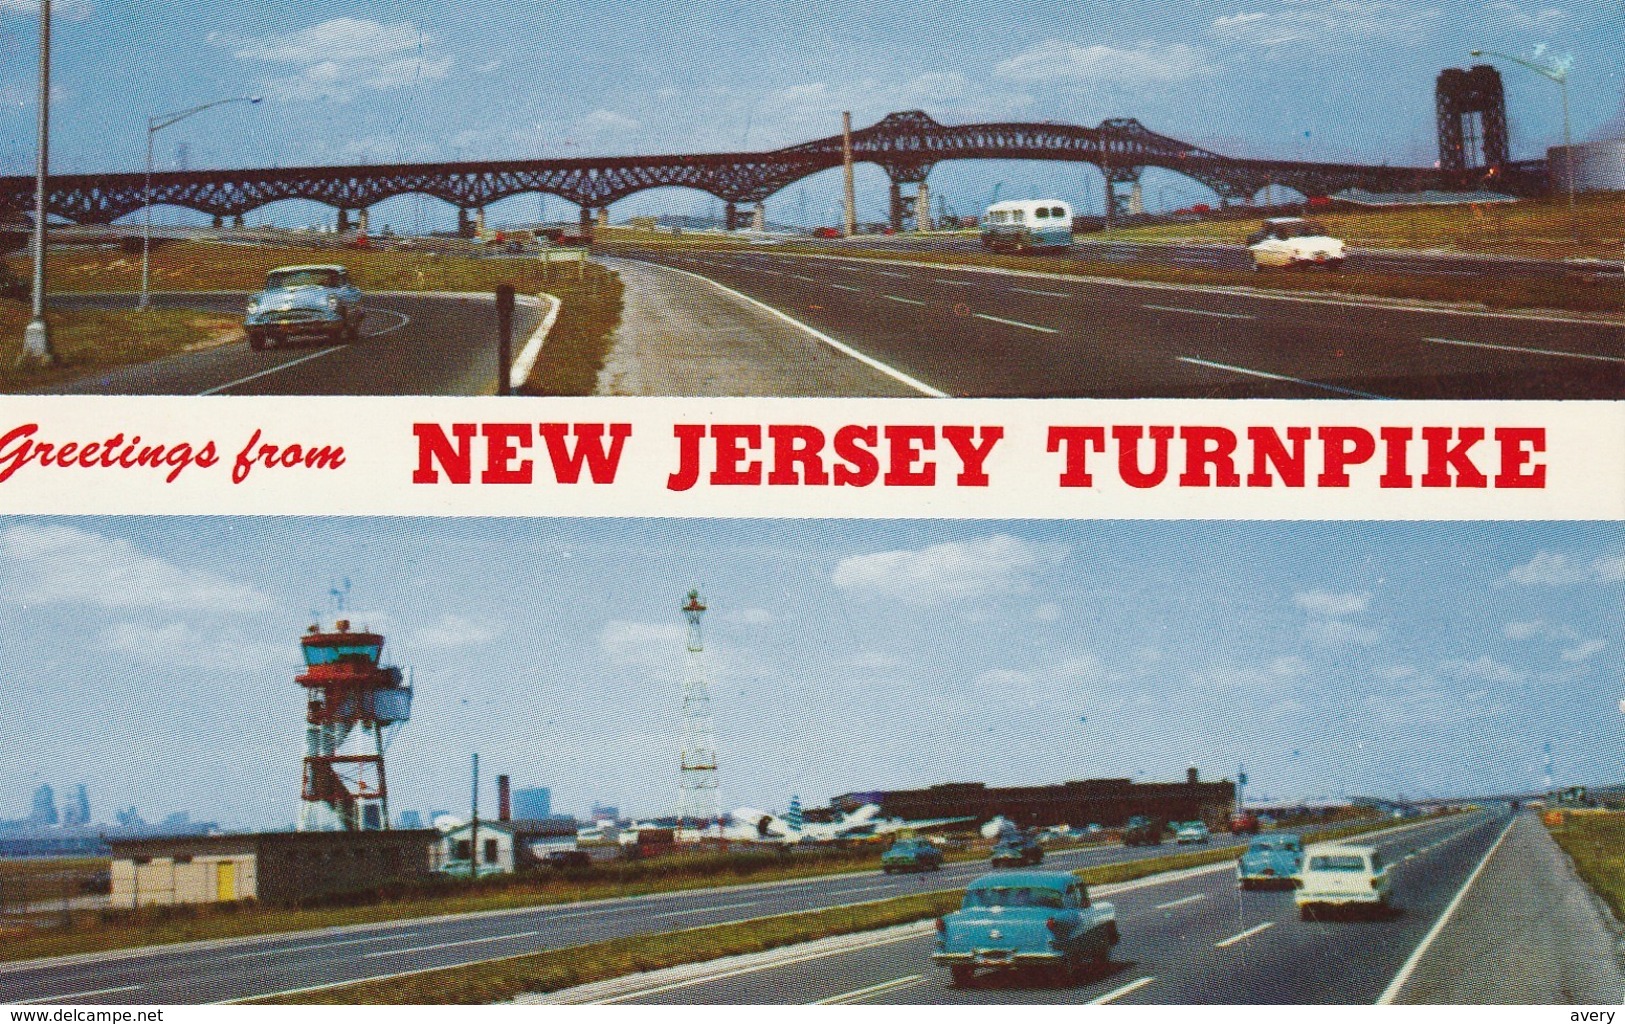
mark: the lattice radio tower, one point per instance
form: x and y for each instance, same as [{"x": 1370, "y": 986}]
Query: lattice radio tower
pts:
[{"x": 698, "y": 802}]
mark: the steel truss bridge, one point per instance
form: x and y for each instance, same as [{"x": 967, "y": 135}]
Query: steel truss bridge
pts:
[{"x": 906, "y": 145}]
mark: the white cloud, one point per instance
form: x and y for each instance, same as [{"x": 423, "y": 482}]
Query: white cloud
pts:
[
  {"x": 607, "y": 122},
  {"x": 1049, "y": 611},
  {"x": 647, "y": 645},
  {"x": 1555, "y": 569},
  {"x": 340, "y": 57},
  {"x": 1289, "y": 667},
  {"x": 1337, "y": 633},
  {"x": 178, "y": 645},
  {"x": 946, "y": 572},
  {"x": 456, "y": 631},
  {"x": 1146, "y": 64},
  {"x": 749, "y": 616},
  {"x": 1583, "y": 651},
  {"x": 63, "y": 565},
  {"x": 1524, "y": 630},
  {"x": 1483, "y": 668},
  {"x": 1535, "y": 19},
  {"x": 1323, "y": 602},
  {"x": 1325, "y": 26}
]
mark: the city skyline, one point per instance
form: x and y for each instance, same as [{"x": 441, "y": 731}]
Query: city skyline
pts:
[{"x": 1329, "y": 658}]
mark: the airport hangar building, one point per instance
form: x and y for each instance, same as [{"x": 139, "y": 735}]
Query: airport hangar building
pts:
[{"x": 1106, "y": 802}]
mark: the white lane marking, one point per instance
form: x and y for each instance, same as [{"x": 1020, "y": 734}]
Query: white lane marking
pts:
[
  {"x": 775, "y": 273},
  {"x": 448, "y": 945},
  {"x": 891, "y": 273},
  {"x": 1180, "y": 902},
  {"x": 1015, "y": 323},
  {"x": 1034, "y": 291},
  {"x": 1526, "y": 351},
  {"x": 275, "y": 369},
  {"x": 845, "y": 287},
  {"x": 844, "y": 349},
  {"x": 1118, "y": 993},
  {"x": 387, "y": 330},
  {"x": 899, "y": 298},
  {"x": 1199, "y": 312},
  {"x": 754, "y": 968},
  {"x": 866, "y": 888},
  {"x": 1277, "y": 376},
  {"x": 520, "y": 371},
  {"x": 860, "y": 994},
  {"x": 318, "y": 945},
  {"x": 76, "y": 995},
  {"x": 1390, "y": 993},
  {"x": 706, "y": 910},
  {"x": 804, "y": 277},
  {"x": 1249, "y": 933},
  {"x": 962, "y": 284}
]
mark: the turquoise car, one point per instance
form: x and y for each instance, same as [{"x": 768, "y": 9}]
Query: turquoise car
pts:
[
  {"x": 911, "y": 855},
  {"x": 315, "y": 299},
  {"x": 1274, "y": 860},
  {"x": 1025, "y": 919}
]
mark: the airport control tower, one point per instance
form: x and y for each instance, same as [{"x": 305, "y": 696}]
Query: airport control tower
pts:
[
  {"x": 354, "y": 705},
  {"x": 698, "y": 804}
]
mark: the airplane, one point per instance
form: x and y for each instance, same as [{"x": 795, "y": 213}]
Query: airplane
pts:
[{"x": 751, "y": 825}]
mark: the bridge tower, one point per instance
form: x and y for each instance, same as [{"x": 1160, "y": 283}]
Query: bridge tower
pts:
[
  {"x": 1472, "y": 118},
  {"x": 353, "y": 705},
  {"x": 698, "y": 802}
]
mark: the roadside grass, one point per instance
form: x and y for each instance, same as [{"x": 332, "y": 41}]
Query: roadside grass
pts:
[
  {"x": 1596, "y": 842},
  {"x": 32, "y": 881},
  {"x": 581, "y": 339},
  {"x": 551, "y": 970},
  {"x": 88, "y": 341}
]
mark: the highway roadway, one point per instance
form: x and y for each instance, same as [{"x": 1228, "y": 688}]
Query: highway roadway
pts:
[
  {"x": 1195, "y": 938},
  {"x": 241, "y": 969},
  {"x": 411, "y": 344},
  {"x": 983, "y": 333}
]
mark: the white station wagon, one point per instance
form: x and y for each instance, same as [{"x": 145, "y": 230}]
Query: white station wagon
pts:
[
  {"x": 1342, "y": 876},
  {"x": 1291, "y": 243}
]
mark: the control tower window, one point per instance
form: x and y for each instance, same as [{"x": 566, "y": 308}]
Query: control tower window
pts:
[{"x": 342, "y": 652}]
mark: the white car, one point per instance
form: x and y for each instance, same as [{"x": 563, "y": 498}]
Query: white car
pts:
[
  {"x": 1289, "y": 243},
  {"x": 1342, "y": 876},
  {"x": 1190, "y": 832}
]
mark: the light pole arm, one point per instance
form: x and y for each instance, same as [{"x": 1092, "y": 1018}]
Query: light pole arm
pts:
[
  {"x": 161, "y": 121},
  {"x": 1558, "y": 75}
]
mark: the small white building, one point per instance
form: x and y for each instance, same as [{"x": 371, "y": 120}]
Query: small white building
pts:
[{"x": 504, "y": 846}]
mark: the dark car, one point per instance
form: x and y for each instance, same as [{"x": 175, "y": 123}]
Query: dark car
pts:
[
  {"x": 564, "y": 860},
  {"x": 1142, "y": 831},
  {"x": 1017, "y": 852},
  {"x": 911, "y": 855}
]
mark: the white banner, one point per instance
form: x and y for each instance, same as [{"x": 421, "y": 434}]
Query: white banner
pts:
[{"x": 884, "y": 458}]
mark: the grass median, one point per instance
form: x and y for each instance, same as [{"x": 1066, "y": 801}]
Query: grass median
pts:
[
  {"x": 1596, "y": 843},
  {"x": 551, "y": 970},
  {"x": 91, "y": 341}
]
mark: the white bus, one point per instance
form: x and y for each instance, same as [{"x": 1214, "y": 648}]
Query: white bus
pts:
[{"x": 1027, "y": 225}]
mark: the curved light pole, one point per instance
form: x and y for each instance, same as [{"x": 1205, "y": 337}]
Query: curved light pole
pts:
[
  {"x": 1557, "y": 72},
  {"x": 155, "y": 124}
]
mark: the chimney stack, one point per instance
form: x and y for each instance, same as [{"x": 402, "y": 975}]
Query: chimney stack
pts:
[
  {"x": 504, "y": 803},
  {"x": 1190, "y": 776}
]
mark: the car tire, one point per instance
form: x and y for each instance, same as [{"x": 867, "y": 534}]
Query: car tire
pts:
[
  {"x": 963, "y": 975},
  {"x": 256, "y": 340}
]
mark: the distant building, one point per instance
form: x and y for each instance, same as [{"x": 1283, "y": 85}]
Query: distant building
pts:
[
  {"x": 534, "y": 803},
  {"x": 605, "y": 812},
  {"x": 44, "y": 812},
  {"x": 1107, "y": 802},
  {"x": 409, "y": 820},
  {"x": 271, "y": 867},
  {"x": 504, "y": 846},
  {"x": 76, "y": 809}
]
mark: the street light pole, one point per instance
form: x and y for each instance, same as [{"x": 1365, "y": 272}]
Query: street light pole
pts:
[
  {"x": 37, "y": 336},
  {"x": 1558, "y": 73},
  {"x": 155, "y": 124}
]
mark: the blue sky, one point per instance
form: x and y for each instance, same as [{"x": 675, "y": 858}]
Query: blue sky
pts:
[
  {"x": 407, "y": 80},
  {"x": 153, "y": 658}
]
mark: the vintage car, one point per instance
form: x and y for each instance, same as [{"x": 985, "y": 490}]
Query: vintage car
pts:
[
  {"x": 1289, "y": 243},
  {"x": 911, "y": 855},
  {"x": 1191, "y": 832},
  {"x": 1272, "y": 860},
  {"x": 1142, "y": 831},
  {"x": 1017, "y": 851},
  {"x": 1244, "y": 823},
  {"x": 1342, "y": 876},
  {"x": 1025, "y": 919},
  {"x": 304, "y": 300}
]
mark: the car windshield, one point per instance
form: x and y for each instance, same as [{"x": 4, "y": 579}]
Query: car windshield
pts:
[
  {"x": 1013, "y": 896},
  {"x": 1301, "y": 229},
  {"x": 302, "y": 278},
  {"x": 1337, "y": 862}
]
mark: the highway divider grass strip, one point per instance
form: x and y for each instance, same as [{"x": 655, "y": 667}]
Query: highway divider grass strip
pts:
[
  {"x": 1595, "y": 841},
  {"x": 581, "y": 339},
  {"x": 552, "y": 970},
  {"x": 90, "y": 341}
]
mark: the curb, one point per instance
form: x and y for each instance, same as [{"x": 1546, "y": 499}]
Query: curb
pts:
[{"x": 522, "y": 366}]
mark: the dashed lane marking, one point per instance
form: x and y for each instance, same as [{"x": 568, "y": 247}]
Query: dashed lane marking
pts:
[
  {"x": 860, "y": 994},
  {"x": 705, "y": 910},
  {"x": 899, "y": 298},
  {"x": 1180, "y": 902},
  {"x": 1118, "y": 993},
  {"x": 1034, "y": 291},
  {"x": 1015, "y": 323},
  {"x": 1521, "y": 350},
  {"x": 1277, "y": 376},
  {"x": 1242, "y": 936},
  {"x": 1199, "y": 312},
  {"x": 448, "y": 945}
]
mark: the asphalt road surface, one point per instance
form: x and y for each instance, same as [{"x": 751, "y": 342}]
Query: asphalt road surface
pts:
[
  {"x": 239, "y": 969},
  {"x": 1200, "y": 939},
  {"x": 411, "y": 344},
  {"x": 995, "y": 334}
]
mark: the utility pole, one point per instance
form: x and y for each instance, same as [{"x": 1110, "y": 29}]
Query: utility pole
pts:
[
  {"x": 37, "y": 336},
  {"x": 474, "y": 823},
  {"x": 850, "y": 222}
]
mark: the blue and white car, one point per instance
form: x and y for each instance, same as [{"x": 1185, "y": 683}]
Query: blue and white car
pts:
[
  {"x": 1191, "y": 832},
  {"x": 1025, "y": 919},
  {"x": 1271, "y": 860},
  {"x": 315, "y": 299}
]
